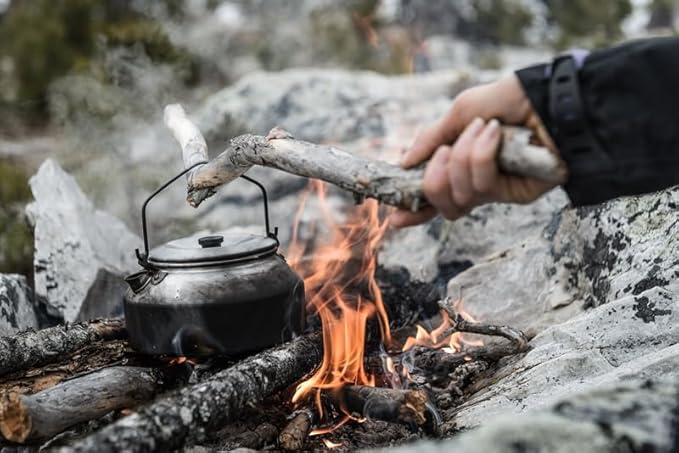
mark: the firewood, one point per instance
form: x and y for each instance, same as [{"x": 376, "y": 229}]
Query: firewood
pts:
[
  {"x": 293, "y": 436},
  {"x": 186, "y": 414},
  {"x": 366, "y": 178},
  {"x": 407, "y": 407},
  {"x": 35, "y": 348},
  {"x": 517, "y": 339},
  {"x": 51, "y": 411},
  {"x": 264, "y": 434}
]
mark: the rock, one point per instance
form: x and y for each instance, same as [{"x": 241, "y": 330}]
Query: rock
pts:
[
  {"x": 599, "y": 289},
  {"x": 17, "y": 311},
  {"x": 634, "y": 416},
  {"x": 75, "y": 246},
  {"x": 355, "y": 104}
]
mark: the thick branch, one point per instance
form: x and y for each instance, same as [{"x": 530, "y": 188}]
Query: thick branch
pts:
[
  {"x": 385, "y": 182},
  {"x": 44, "y": 414},
  {"x": 293, "y": 436},
  {"x": 35, "y": 348},
  {"x": 188, "y": 413},
  {"x": 408, "y": 407}
]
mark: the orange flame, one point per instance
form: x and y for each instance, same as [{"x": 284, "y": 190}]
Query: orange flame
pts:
[
  {"x": 333, "y": 276},
  {"x": 181, "y": 359},
  {"x": 455, "y": 341}
]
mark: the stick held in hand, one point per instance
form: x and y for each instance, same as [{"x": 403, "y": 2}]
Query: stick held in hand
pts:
[{"x": 366, "y": 178}]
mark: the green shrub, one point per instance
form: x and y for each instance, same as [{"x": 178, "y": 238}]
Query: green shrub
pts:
[{"x": 587, "y": 23}]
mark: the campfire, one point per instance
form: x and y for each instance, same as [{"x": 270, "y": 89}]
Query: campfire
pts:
[{"x": 369, "y": 378}]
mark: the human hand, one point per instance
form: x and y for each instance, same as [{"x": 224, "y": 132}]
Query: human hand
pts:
[{"x": 463, "y": 172}]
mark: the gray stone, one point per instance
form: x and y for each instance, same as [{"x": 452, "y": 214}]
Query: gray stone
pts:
[
  {"x": 634, "y": 416},
  {"x": 354, "y": 104},
  {"x": 16, "y": 305},
  {"x": 597, "y": 287},
  {"x": 75, "y": 245}
]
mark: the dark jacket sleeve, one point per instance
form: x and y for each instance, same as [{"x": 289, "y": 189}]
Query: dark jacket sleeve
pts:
[{"x": 630, "y": 98}]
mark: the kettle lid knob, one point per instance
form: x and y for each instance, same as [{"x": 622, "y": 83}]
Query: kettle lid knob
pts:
[{"x": 211, "y": 241}]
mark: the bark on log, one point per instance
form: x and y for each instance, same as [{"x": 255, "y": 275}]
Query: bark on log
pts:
[
  {"x": 263, "y": 435},
  {"x": 37, "y": 348},
  {"x": 47, "y": 413},
  {"x": 385, "y": 182},
  {"x": 293, "y": 436},
  {"x": 188, "y": 413},
  {"x": 408, "y": 407}
]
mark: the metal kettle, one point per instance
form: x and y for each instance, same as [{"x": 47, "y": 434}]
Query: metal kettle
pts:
[{"x": 226, "y": 294}]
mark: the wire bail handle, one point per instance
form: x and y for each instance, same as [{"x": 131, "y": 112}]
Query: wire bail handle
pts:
[{"x": 143, "y": 257}]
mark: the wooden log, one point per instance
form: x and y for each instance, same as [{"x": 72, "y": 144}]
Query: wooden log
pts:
[
  {"x": 187, "y": 414},
  {"x": 407, "y": 407},
  {"x": 263, "y": 435},
  {"x": 293, "y": 436},
  {"x": 36, "y": 348},
  {"x": 385, "y": 182},
  {"x": 47, "y": 413}
]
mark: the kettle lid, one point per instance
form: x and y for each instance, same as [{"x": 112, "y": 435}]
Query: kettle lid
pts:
[{"x": 220, "y": 248}]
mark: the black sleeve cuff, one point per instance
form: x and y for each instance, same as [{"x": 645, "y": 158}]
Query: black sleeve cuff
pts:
[{"x": 630, "y": 97}]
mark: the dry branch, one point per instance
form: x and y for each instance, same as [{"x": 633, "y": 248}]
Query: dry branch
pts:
[
  {"x": 518, "y": 340},
  {"x": 36, "y": 348},
  {"x": 407, "y": 407},
  {"x": 293, "y": 436},
  {"x": 188, "y": 413},
  {"x": 385, "y": 182},
  {"x": 44, "y": 414}
]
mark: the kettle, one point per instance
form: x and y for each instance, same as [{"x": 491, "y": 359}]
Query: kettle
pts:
[{"x": 226, "y": 294}]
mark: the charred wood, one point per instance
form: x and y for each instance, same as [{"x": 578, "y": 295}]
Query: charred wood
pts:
[
  {"x": 88, "y": 359},
  {"x": 264, "y": 434},
  {"x": 293, "y": 436},
  {"x": 51, "y": 411},
  {"x": 187, "y": 414},
  {"x": 385, "y": 182},
  {"x": 408, "y": 407},
  {"x": 34, "y": 348}
]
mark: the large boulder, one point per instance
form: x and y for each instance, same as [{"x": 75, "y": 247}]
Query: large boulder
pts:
[
  {"x": 598, "y": 290},
  {"x": 627, "y": 417},
  {"x": 17, "y": 311},
  {"x": 81, "y": 253}
]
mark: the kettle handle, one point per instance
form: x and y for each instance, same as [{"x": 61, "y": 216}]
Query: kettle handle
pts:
[{"x": 143, "y": 258}]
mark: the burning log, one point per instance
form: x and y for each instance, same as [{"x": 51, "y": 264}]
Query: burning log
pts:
[
  {"x": 31, "y": 348},
  {"x": 407, "y": 407},
  {"x": 293, "y": 436},
  {"x": 366, "y": 178},
  {"x": 44, "y": 414},
  {"x": 187, "y": 413}
]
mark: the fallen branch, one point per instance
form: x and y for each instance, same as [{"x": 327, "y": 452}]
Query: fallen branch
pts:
[
  {"x": 36, "y": 348},
  {"x": 407, "y": 407},
  {"x": 293, "y": 436},
  {"x": 47, "y": 413},
  {"x": 518, "y": 340},
  {"x": 385, "y": 182},
  {"x": 188, "y": 413}
]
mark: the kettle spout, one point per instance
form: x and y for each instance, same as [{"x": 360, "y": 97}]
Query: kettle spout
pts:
[{"x": 138, "y": 280}]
